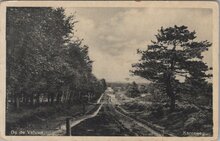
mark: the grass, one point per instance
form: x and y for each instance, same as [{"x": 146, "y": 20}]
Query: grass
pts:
[
  {"x": 187, "y": 118},
  {"x": 46, "y": 117}
]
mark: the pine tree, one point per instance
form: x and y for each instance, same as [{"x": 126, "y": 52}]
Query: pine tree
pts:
[{"x": 174, "y": 56}]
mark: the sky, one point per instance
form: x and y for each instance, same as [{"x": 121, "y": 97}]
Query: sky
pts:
[{"x": 114, "y": 35}]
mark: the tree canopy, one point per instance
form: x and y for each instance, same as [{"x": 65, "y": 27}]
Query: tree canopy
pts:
[
  {"x": 43, "y": 58},
  {"x": 174, "y": 59}
]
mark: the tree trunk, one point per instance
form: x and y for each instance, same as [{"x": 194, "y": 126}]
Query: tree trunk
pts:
[
  {"x": 58, "y": 98},
  {"x": 59, "y": 95},
  {"x": 66, "y": 95},
  {"x": 32, "y": 100},
  {"x": 52, "y": 98},
  {"x": 13, "y": 99},
  {"x": 17, "y": 102},
  {"x": 84, "y": 107},
  {"x": 70, "y": 98},
  {"x": 89, "y": 96},
  {"x": 48, "y": 98},
  {"x": 172, "y": 103},
  {"x": 170, "y": 93},
  {"x": 73, "y": 96},
  {"x": 25, "y": 100},
  {"x": 38, "y": 99}
]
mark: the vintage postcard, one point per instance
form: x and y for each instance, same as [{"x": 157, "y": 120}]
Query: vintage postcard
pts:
[{"x": 109, "y": 70}]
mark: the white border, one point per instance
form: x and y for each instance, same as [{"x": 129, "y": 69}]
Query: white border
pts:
[{"x": 156, "y": 4}]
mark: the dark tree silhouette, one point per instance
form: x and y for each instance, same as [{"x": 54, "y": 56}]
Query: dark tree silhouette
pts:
[
  {"x": 174, "y": 56},
  {"x": 133, "y": 89},
  {"x": 43, "y": 60}
]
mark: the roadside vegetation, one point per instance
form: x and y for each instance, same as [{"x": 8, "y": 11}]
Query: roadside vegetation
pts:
[
  {"x": 189, "y": 119},
  {"x": 48, "y": 67}
]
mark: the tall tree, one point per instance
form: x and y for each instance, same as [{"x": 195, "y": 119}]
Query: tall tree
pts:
[
  {"x": 43, "y": 60},
  {"x": 172, "y": 58}
]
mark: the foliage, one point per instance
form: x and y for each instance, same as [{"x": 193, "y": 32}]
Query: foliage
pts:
[
  {"x": 174, "y": 62},
  {"x": 133, "y": 90},
  {"x": 44, "y": 61}
]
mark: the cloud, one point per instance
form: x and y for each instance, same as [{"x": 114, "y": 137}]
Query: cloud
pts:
[{"x": 114, "y": 34}]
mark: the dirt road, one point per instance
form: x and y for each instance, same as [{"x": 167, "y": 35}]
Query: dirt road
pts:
[{"x": 111, "y": 122}]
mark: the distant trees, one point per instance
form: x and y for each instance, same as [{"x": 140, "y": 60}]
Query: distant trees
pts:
[
  {"x": 174, "y": 62},
  {"x": 133, "y": 90},
  {"x": 44, "y": 61}
]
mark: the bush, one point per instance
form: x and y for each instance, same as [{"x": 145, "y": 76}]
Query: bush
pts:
[
  {"x": 135, "y": 106},
  {"x": 198, "y": 122},
  {"x": 157, "y": 110}
]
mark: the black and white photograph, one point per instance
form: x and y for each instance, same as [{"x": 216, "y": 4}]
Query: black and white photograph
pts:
[{"x": 144, "y": 71}]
